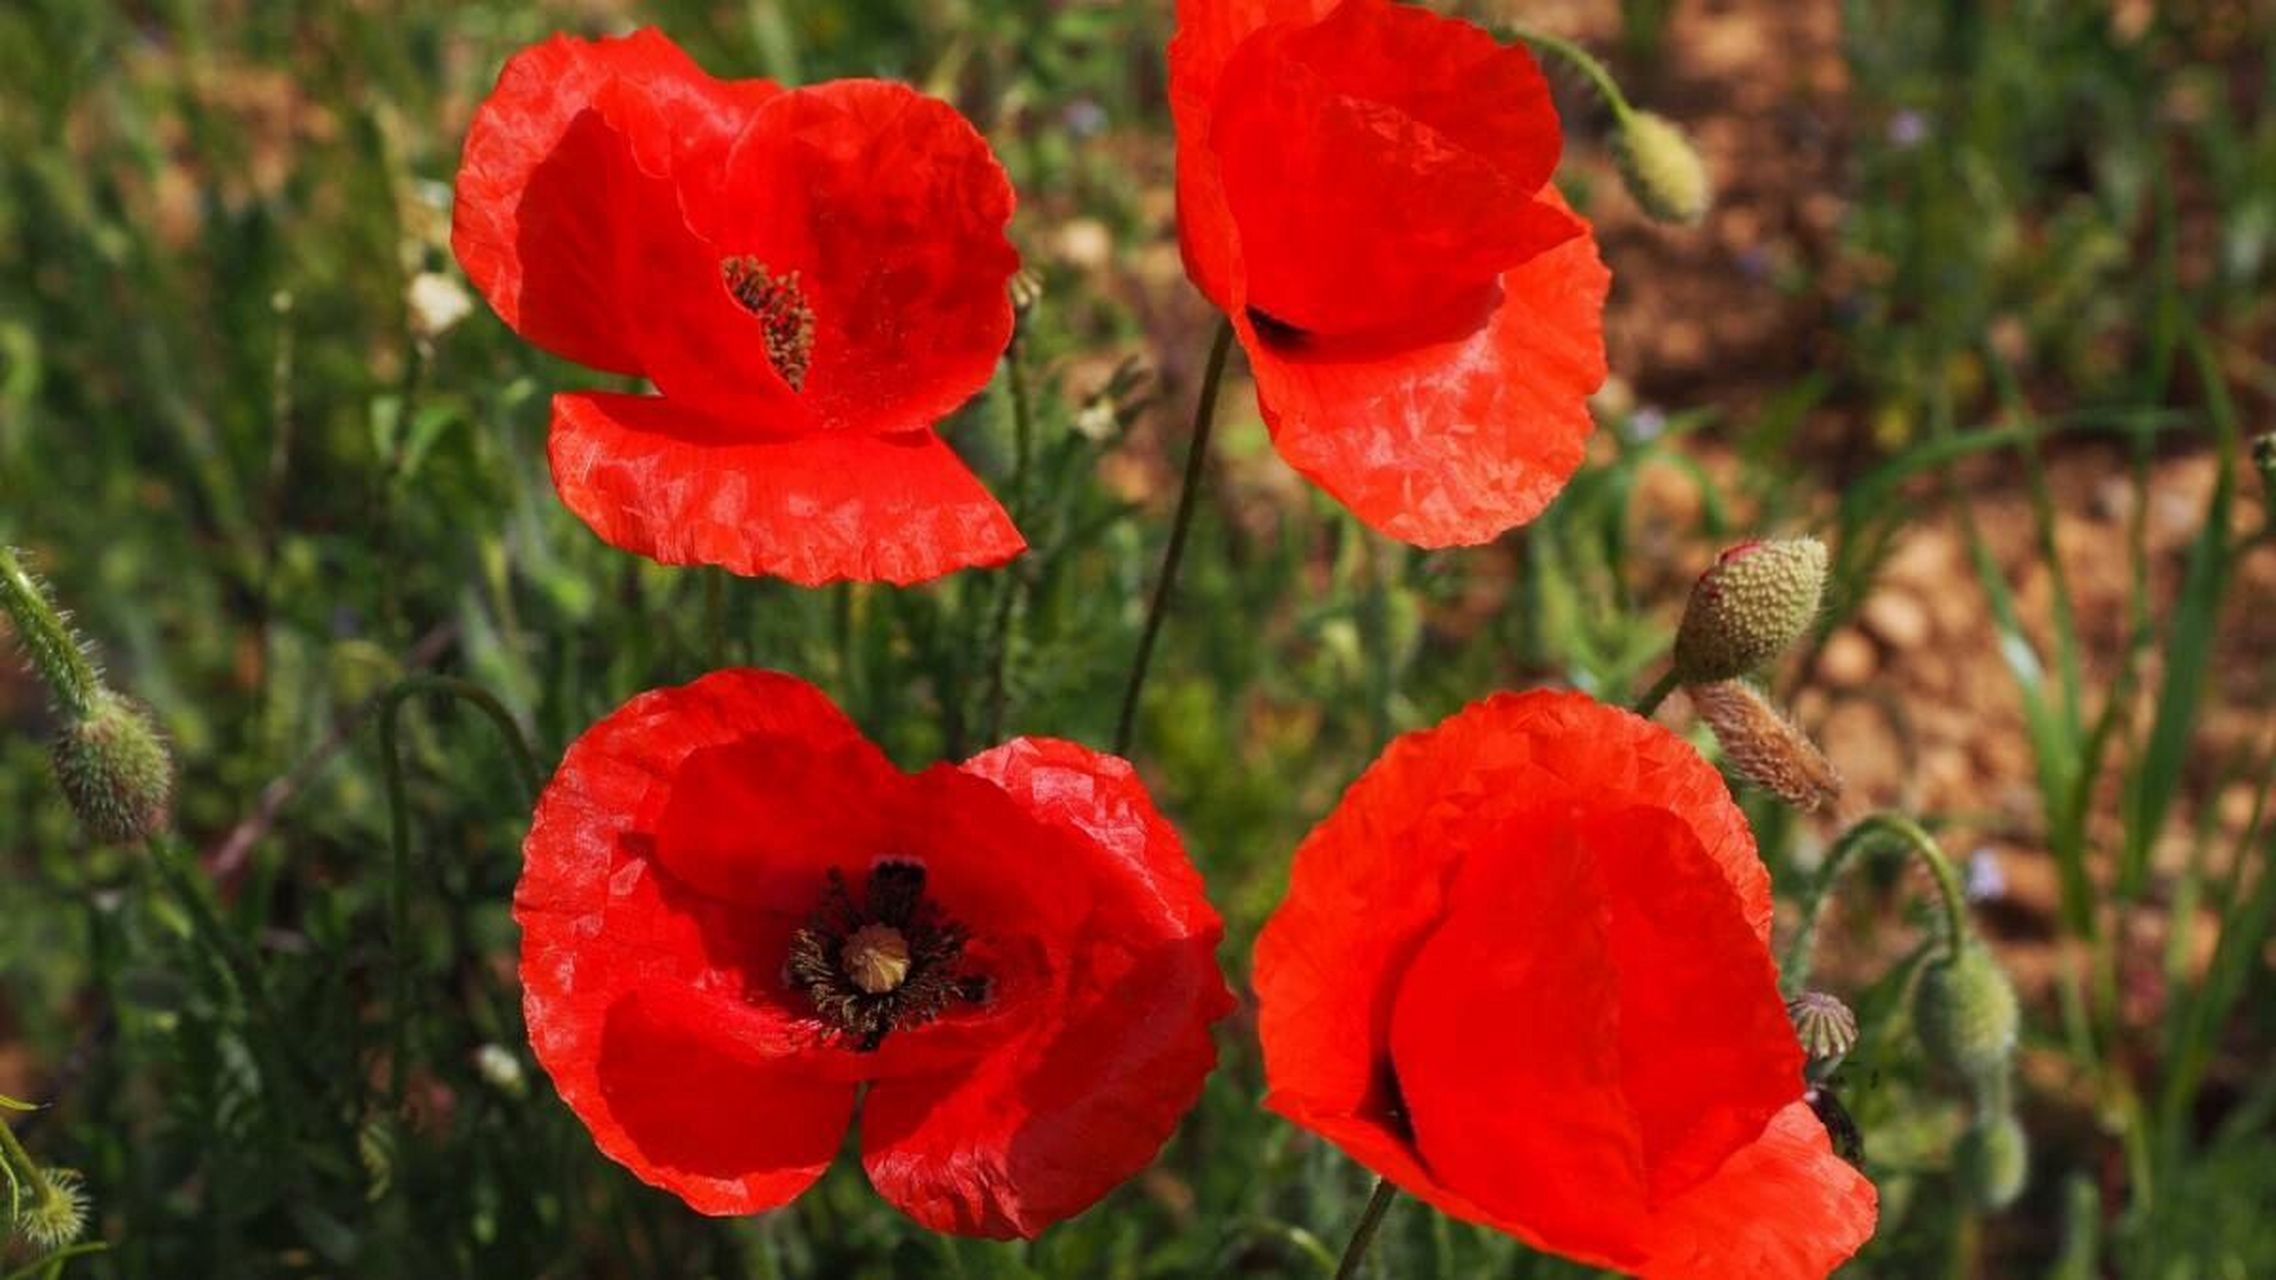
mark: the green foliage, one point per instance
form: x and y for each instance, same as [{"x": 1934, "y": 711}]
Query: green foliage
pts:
[{"x": 286, "y": 515}]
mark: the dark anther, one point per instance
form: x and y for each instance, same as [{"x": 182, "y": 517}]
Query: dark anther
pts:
[
  {"x": 784, "y": 317},
  {"x": 888, "y": 962}
]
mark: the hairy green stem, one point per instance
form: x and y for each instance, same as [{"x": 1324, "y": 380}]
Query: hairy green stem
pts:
[
  {"x": 1363, "y": 1235},
  {"x": 1880, "y": 826},
  {"x": 399, "y": 831},
  {"x": 1584, "y": 62},
  {"x": 53, "y": 650},
  {"x": 1197, "y": 454}
]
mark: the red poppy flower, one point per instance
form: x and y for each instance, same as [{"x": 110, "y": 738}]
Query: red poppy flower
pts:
[
  {"x": 810, "y": 277},
  {"x": 1523, "y": 971},
  {"x": 737, "y": 913},
  {"x": 1363, "y": 188}
]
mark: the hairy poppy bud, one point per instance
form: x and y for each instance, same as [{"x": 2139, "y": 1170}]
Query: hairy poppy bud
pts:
[
  {"x": 1662, "y": 169},
  {"x": 1826, "y": 1028},
  {"x": 1966, "y": 1013},
  {"x": 1753, "y": 603},
  {"x": 1765, "y": 747},
  {"x": 1993, "y": 1161},
  {"x": 53, "y": 1212},
  {"x": 114, "y": 769}
]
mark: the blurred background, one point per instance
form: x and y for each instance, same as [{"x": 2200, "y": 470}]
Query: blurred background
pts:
[{"x": 1984, "y": 303}]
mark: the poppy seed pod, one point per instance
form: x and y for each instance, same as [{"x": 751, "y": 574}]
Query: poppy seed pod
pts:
[
  {"x": 1662, "y": 169},
  {"x": 1753, "y": 603},
  {"x": 1966, "y": 1013},
  {"x": 1993, "y": 1161},
  {"x": 114, "y": 769},
  {"x": 1826, "y": 1028}
]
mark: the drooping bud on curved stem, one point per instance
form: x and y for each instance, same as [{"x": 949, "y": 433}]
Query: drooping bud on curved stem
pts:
[
  {"x": 1749, "y": 607},
  {"x": 1658, "y": 164},
  {"x": 1662, "y": 169},
  {"x": 1765, "y": 747},
  {"x": 1993, "y": 1160},
  {"x": 48, "y": 642},
  {"x": 1881, "y": 828},
  {"x": 1966, "y": 1013}
]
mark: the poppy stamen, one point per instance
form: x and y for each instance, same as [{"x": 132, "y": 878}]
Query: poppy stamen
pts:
[
  {"x": 889, "y": 963},
  {"x": 785, "y": 319}
]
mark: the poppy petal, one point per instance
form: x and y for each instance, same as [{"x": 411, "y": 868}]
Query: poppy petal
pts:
[
  {"x": 816, "y": 508},
  {"x": 1043, "y": 1127},
  {"x": 1208, "y": 33},
  {"x": 608, "y": 935},
  {"x": 1614, "y": 937},
  {"x": 1456, "y": 442},
  {"x": 1370, "y": 881},
  {"x": 707, "y": 1097},
  {"x": 1784, "y": 1208},
  {"x": 890, "y": 210},
  {"x": 524, "y": 225},
  {"x": 1324, "y": 159}
]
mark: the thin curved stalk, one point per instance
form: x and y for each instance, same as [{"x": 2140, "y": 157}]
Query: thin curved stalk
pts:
[{"x": 1196, "y": 458}]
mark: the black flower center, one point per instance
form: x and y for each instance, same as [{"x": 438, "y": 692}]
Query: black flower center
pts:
[
  {"x": 890, "y": 962},
  {"x": 785, "y": 319}
]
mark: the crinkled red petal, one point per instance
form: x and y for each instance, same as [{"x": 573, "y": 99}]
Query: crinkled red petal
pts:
[
  {"x": 826, "y": 506},
  {"x": 1356, "y": 214},
  {"x": 1453, "y": 442},
  {"x": 1784, "y": 1208},
  {"x": 1634, "y": 1014},
  {"x": 1372, "y": 883},
  {"x": 526, "y": 225},
  {"x": 634, "y": 981},
  {"x": 891, "y": 210},
  {"x": 1043, "y": 1126},
  {"x": 1208, "y": 33}
]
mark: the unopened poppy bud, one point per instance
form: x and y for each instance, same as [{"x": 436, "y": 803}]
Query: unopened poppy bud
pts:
[
  {"x": 1965, "y": 1012},
  {"x": 53, "y": 1213},
  {"x": 1825, "y": 1027},
  {"x": 1662, "y": 169},
  {"x": 1765, "y": 747},
  {"x": 1756, "y": 600},
  {"x": 1993, "y": 1161},
  {"x": 114, "y": 769}
]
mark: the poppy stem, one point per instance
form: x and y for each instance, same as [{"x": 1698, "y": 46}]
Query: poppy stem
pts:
[
  {"x": 1656, "y": 695},
  {"x": 1197, "y": 455},
  {"x": 1363, "y": 1235},
  {"x": 1583, "y": 61},
  {"x": 715, "y": 617},
  {"x": 1014, "y": 583},
  {"x": 54, "y": 652},
  {"x": 399, "y": 832},
  {"x": 1879, "y": 827}
]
